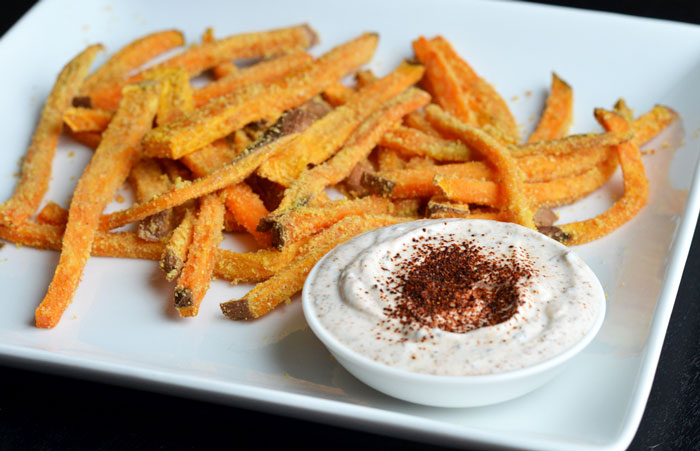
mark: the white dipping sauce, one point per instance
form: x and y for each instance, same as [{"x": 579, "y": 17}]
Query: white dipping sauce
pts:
[{"x": 352, "y": 293}]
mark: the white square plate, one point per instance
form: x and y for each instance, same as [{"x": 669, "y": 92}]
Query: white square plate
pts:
[{"x": 120, "y": 326}]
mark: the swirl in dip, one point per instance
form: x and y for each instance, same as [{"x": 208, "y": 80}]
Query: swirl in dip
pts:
[{"x": 455, "y": 297}]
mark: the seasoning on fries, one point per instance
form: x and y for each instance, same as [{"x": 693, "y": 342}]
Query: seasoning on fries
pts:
[{"x": 255, "y": 149}]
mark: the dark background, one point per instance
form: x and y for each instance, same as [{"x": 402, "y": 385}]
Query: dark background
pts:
[{"x": 47, "y": 412}]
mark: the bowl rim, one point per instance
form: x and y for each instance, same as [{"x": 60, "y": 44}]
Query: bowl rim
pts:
[{"x": 345, "y": 353}]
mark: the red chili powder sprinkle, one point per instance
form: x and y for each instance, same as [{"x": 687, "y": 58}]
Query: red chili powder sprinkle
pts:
[{"x": 457, "y": 286}]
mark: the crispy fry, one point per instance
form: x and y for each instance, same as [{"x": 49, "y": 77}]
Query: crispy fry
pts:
[
  {"x": 440, "y": 207},
  {"x": 236, "y": 267},
  {"x": 131, "y": 57},
  {"x": 491, "y": 110},
  {"x": 262, "y": 72},
  {"x": 556, "y": 192},
  {"x": 211, "y": 157},
  {"x": 36, "y": 167},
  {"x": 149, "y": 180},
  {"x": 364, "y": 78},
  {"x": 558, "y": 112},
  {"x": 442, "y": 82},
  {"x": 52, "y": 213},
  {"x": 235, "y": 172},
  {"x": 196, "y": 60},
  {"x": 108, "y": 169},
  {"x": 651, "y": 123},
  {"x": 571, "y": 144},
  {"x": 337, "y": 94},
  {"x": 389, "y": 159},
  {"x": 419, "y": 143},
  {"x": 417, "y": 120},
  {"x": 510, "y": 177},
  {"x": 230, "y": 112},
  {"x": 305, "y": 221},
  {"x": 356, "y": 149},
  {"x": 88, "y": 139},
  {"x": 625, "y": 208},
  {"x": 623, "y": 110},
  {"x": 174, "y": 255},
  {"x": 193, "y": 282},
  {"x": 289, "y": 280},
  {"x": 223, "y": 69},
  {"x": 247, "y": 209},
  {"x": 80, "y": 119},
  {"x": 326, "y": 136}
]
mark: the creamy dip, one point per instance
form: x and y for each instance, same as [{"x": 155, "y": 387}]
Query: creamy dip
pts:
[{"x": 399, "y": 296}]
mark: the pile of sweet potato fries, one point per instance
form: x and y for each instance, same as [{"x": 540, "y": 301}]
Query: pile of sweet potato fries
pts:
[{"x": 254, "y": 150}]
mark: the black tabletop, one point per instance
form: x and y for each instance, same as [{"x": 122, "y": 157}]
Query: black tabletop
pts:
[{"x": 40, "y": 411}]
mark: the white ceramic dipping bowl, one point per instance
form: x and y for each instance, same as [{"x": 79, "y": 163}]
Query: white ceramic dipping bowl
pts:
[{"x": 439, "y": 390}]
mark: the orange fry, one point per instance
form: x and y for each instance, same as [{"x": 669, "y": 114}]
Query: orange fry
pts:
[
  {"x": 247, "y": 209},
  {"x": 53, "y": 214},
  {"x": 651, "y": 123},
  {"x": 546, "y": 194},
  {"x": 230, "y": 112},
  {"x": 558, "y": 112},
  {"x": 235, "y": 172},
  {"x": 80, "y": 119},
  {"x": 262, "y": 72},
  {"x": 149, "y": 180},
  {"x": 419, "y": 143},
  {"x": 509, "y": 176},
  {"x": 196, "y": 60},
  {"x": 327, "y": 135},
  {"x": 289, "y": 280},
  {"x": 625, "y": 208},
  {"x": 223, "y": 69},
  {"x": 193, "y": 282},
  {"x": 108, "y": 169},
  {"x": 356, "y": 149},
  {"x": 131, "y": 57},
  {"x": 305, "y": 221},
  {"x": 174, "y": 255},
  {"x": 571, "y": 144},
  {"x": 36, "y": 167},
  {"x": 235, "y": 267}
]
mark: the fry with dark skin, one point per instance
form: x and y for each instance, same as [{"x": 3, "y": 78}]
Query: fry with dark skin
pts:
[
  {"x": 225, "y": 114},
  {"x": 289, "y": 280},
  {"x": 196, "y": 274}
]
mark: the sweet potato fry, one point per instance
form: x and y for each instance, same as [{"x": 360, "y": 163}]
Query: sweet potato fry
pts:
[
  {"x": 149, "y": 180},
  {"x": 623, "y": 110},
  {"x": 235, "y": 172},
  {"x": 442, "y": 81},
  {"x": 558, "y": 112},
  {"x": 88, "y": 139},
  {"x": 131, "y": 57},
  {"x": 262, "y": 72},
  {"x": 289, "y": 280},
  {"x": 440, "y": 207},
  {"x": 326, "y": 136},
  {"x": 80, "y": 119},
  {"x": 509, "y": 176},
  {"x": 36, "y": 167},
  {"x": 236, "y": 267},
  {"x": 418, "y": 121},
  {"x": 419, "y": 143},
  {"x": 196, "y": 60},
  {"x": 337, "y": 94},
  {"x": 650, "y": 124},
  {"x": 546, "y": 194},
  {"x": 389, "y": 159},
  {"x": 570, "y": 144},
  {"x": 230, "y": 112},
  {"x": 625, "y": 208},
  {"x": 223, "y": 69},
  {"x": 193, "y": 282},
  {"x": 174, "y": 255},
  {"x": 356, "y": 149},
  {"x": 306, "y": 221},
  {"x": 247, "y": 209},
  {"x": 211, "y": 157},
  {"x": 53, "y": 214},
  {"x": 108, "y": 169}
]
